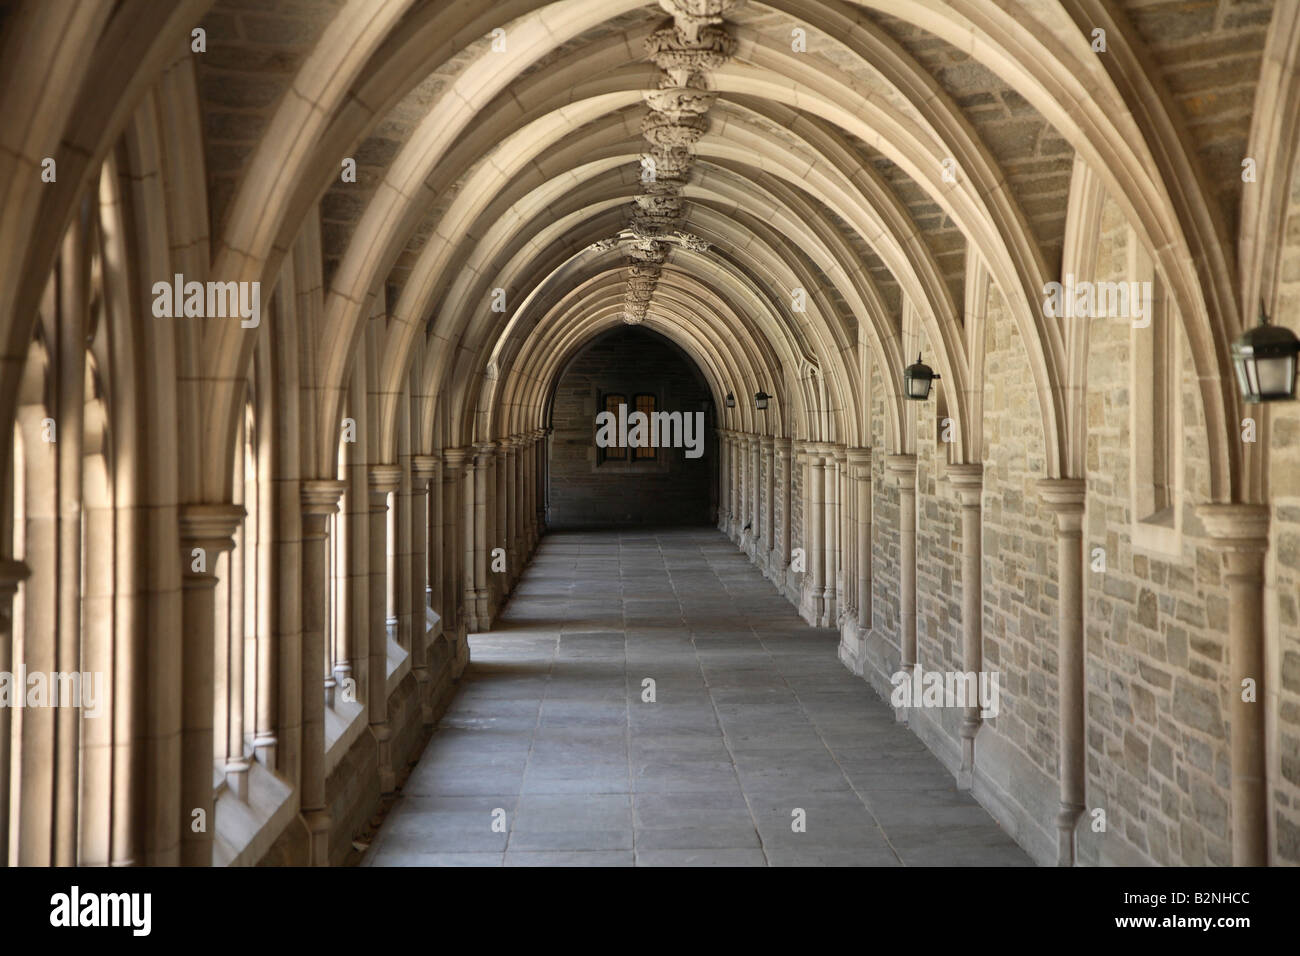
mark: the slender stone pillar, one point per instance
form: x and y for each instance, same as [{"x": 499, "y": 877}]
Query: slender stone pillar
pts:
[
  {"x": 1066, "y": 498},
  {"x": 534, "y": 472},
  {"x": 848, "y": 499},
  {"x": 320, "y": 499},
  {"x": 499, "y": 523},
  {"x": 1241, "y": 530},
  {"x": 768, "y": 444},
  {"x": 384, "y": 480},
  {"x": 728, "y": 477},
  {"x": 755, "y": 493},
  {"x": 478, "y": 537},
  {"x": 903, "y": 468},
  {"x": 453, "y": 518},
  {"x": 738, "y": 509},
  {"x": 724, "y": 482},
  {"x": 779, "y": 558},
  {"x": 863, "y": 461},
  {"x": 815, "y": 610},
  {"x": 12, "y": 573},
  {"x": 543, "y": 478},
  {"x": 968, "y": 481},
  {"x": 433, "y": 540},
  {"x": 513, "y": 547},
  {"x": 424, "y": 469},
  {"x": 392, "y": 574},
  {"x": 834, "y": 513},
  {"x": 856, "y": 624},
  {"x": 206, "y": 532}
]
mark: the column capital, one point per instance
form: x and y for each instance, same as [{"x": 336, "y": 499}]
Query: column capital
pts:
[
  {"x": 485, "y": 449},
  {"x": 967, "y": 479},
  {"x": 1238, "y": 527},
  {"x": 784, "y": 446},
  {"x": 384, "y": 478},
  {"x": 767, "y": 441},
  {"x": 424, "y": 467},
  {"x": 454, "y": 457},
  {"x": 903, "y": 468},
  {"x": 840, "y": 452},
  {"x": 320, "y": 496},
  {"x": 859, "y": 460},
  {"x": 1065, "y": 498},
  {"x": 1063, "y": 495},
  {"x": 211, "y": 527}
]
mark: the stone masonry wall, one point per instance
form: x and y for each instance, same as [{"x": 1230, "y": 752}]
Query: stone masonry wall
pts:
[{"x": 670, "y": 490}]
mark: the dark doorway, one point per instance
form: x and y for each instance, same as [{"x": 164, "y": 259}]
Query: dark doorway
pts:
[{"x": 621, "y": 486}]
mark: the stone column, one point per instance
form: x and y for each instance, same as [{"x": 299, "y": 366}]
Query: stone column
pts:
[
  {"x": 206, "y": 531},
  {"x": 728, "y": 477},
  {"x": 848, "y": 546},
  {"x": 737, "y": 476},
  {"x": 834, "y": 528},
  {"x": 543, "y": 478},
  {"x": 384, "y": 480},
  {"x": 755, "y": 493},
  {"x": 1241, "y": 530},
  {"x": 499, "y": 524},
  {"x": 857, "y": 547},
  {"x": 903, "y": 468},
  {"x": 12, "y": 573},
  {"x": 769, "y": 503},
  {"x": 814, "y": 538},
  {"x": 424, "y": 469},
  {"x": 514, "y": 494},
  {"x": 392, "y": 544},
  {"x": 784, "y": 452},
  {"x": 478, "y": 537},
  {"x": 723, "y": 480},
  {"x": 320, "y": 499},
  {"x": 530, "y": 516},
  {"x": 968, "y": 481},
  {"x": 1066, "y": 497},
  {"x": 453, "y": 516}
]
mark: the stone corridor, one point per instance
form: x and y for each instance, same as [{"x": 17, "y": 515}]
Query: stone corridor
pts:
[{"x": 753, "y": 717}]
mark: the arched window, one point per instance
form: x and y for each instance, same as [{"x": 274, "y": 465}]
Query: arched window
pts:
[
  {"x": 645, "y": 404},
  {"x": 610, "y": 403}
]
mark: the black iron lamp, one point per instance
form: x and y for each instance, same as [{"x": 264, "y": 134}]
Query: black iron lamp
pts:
[
  {"x": 1265, "y": 359},
  {"x": 917, "y": 379},
  {"x": 760, "y": 400},
  {"x": 731, "y": 400}
]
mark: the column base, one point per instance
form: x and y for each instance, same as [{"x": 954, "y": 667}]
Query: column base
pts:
[
  {"x": 966, "y": 772},
  {"x": 1067, "y": 818},
  {"x": 318, "y": 836},
  {"x": 853, "y": 647},
  {"x": 383, "y": 738}
]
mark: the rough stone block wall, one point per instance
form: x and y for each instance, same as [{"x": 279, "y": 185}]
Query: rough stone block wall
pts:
[
  {"x": 1019, "y": 564},
  {"x": 938, "y": 556},
  {"x": 672, "y": 490},
  {"x": 1282, "y": 612},
  {"x": 884, "y": 648},
  {"x": 1156, "y": 628}
]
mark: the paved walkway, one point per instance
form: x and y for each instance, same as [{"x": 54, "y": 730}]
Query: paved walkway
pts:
[{"x": 753, "y": 719}]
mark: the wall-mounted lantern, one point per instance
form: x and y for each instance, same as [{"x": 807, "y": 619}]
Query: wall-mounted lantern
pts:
[
  {"x": 1264, "y": 358},
  {"x": 731, "y": 400},
  {"x": 760, "y": 400},
  {"x": 917, "y": 379}
]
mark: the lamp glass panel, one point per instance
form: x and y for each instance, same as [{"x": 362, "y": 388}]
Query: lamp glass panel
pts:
[{"x": 1276, "y": 375}]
